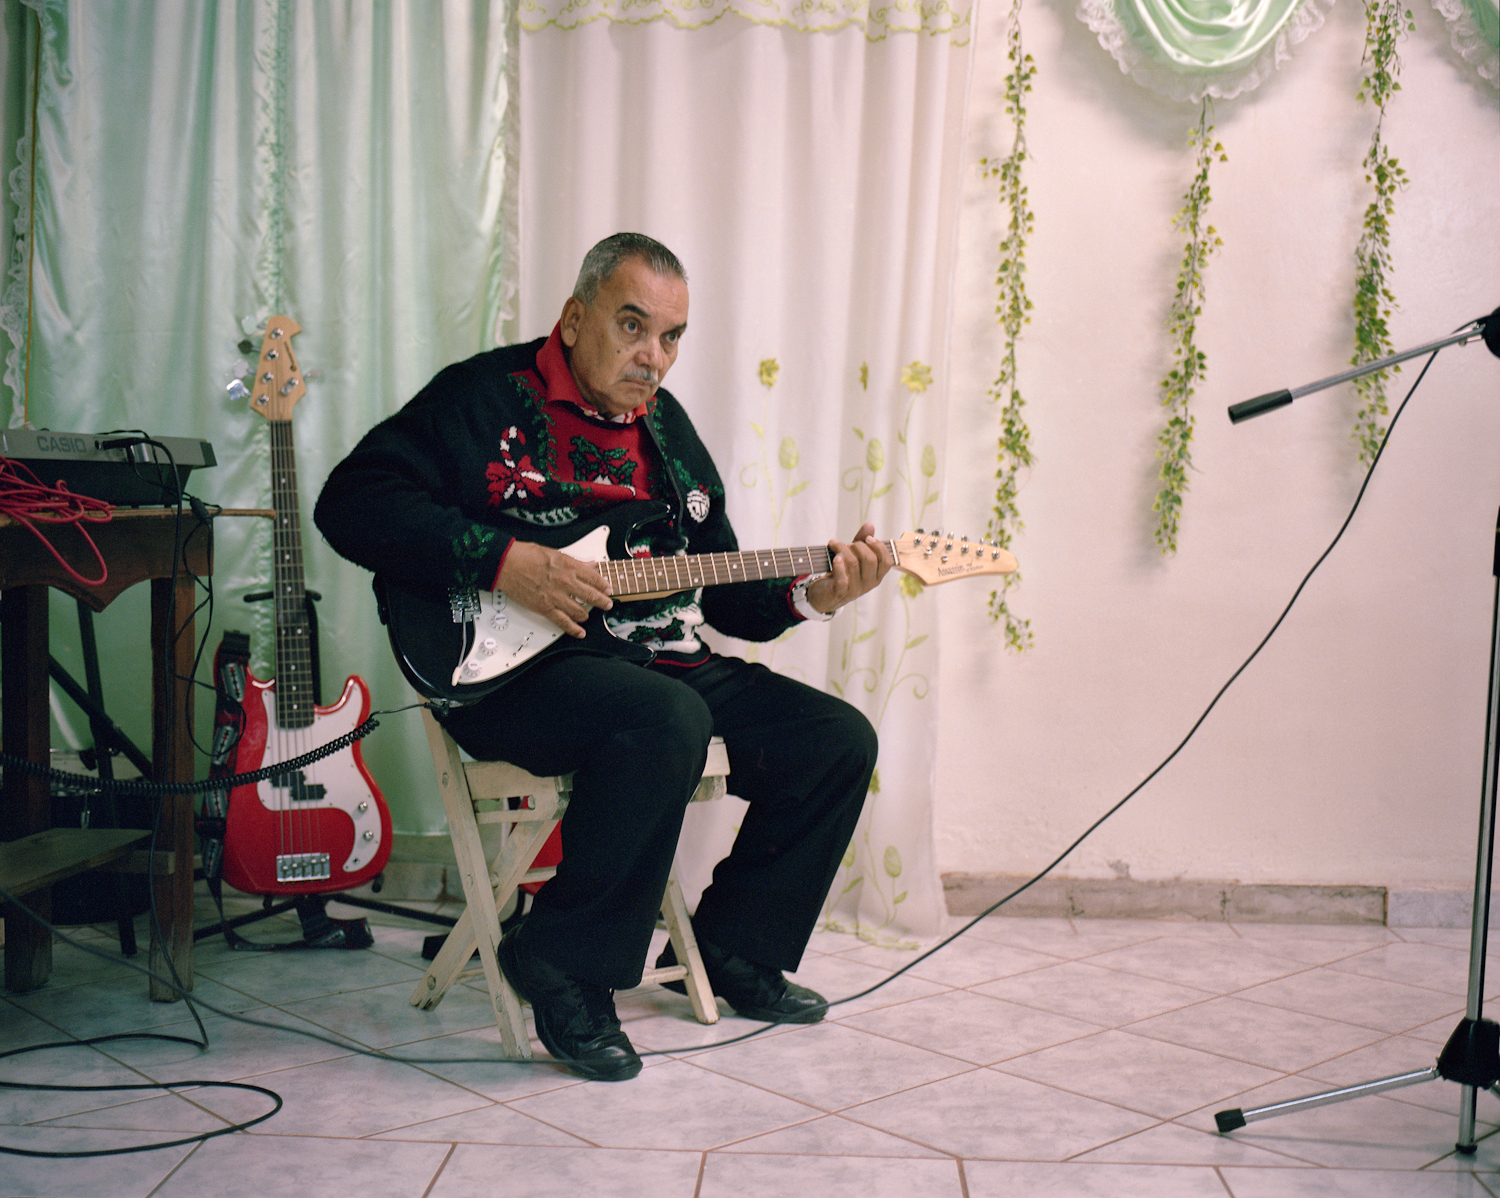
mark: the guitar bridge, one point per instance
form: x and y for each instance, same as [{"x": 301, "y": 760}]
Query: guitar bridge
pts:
[
  {"x": 303, "y": 867},
  {"x": 463, "y": 602}
]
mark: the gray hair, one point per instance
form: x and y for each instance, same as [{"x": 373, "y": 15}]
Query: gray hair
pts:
[{"x": 608, "y": 256}]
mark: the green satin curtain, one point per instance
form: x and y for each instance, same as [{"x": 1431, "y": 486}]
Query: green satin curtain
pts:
[
  {"x": 178, "y": 171},
  {"x": 1206, "y": 34},
  {"x": 1486, "y": 17}
]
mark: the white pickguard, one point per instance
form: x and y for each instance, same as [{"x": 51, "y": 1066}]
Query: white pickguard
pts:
[
  {"x": 507, "y": 634},
  {"x": 344, "y": 787}
]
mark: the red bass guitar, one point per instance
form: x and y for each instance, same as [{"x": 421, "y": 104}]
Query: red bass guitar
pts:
[{"x": 325, "y": 827}]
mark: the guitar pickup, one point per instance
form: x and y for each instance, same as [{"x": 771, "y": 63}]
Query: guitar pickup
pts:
[{"x": 303, "y": 867}]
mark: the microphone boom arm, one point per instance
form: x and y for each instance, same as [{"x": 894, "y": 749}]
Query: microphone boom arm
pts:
[{"x": 1278, "y": 399}]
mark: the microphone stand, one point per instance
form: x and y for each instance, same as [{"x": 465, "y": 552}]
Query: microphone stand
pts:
[{"x": 1471, "y": 1057}]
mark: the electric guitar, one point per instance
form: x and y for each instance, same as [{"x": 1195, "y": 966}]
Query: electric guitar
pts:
[
  {"x": 325, "y": 827},
  {"x": 460, "y": 649}
]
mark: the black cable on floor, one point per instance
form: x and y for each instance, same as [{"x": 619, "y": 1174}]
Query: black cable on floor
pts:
[{"x": 362, "y": 1051}]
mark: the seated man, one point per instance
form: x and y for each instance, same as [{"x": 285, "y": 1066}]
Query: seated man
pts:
[{"x": 455, "y": 488}]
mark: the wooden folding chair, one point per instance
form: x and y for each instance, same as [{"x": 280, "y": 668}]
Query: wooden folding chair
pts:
[{"x": 476, "y": 793}]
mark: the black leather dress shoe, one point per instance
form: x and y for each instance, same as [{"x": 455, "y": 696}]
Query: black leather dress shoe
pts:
[
  {"x": 753, "y": 990},
  {"x": 575, "y": 1020}
]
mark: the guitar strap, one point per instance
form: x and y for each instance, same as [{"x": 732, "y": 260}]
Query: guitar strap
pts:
[{"x": 231, "y": 667}]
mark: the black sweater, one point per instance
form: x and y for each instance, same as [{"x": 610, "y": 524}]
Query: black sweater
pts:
[{"x": 435, "y": 494}]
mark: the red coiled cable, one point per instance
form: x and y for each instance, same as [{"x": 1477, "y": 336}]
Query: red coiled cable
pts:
[{"x": 25, "y": 499}]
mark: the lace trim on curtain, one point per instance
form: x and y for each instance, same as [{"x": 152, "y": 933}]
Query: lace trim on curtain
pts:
[
  {"x": 879, "y": 21},
  {"x": 14, "y": 291},
  {"x": 503, "y": 289},
  {"x": 15, "y": 288},
  {"x": 1474, "y": 27},
  {"x": 1188, "y": 49}
]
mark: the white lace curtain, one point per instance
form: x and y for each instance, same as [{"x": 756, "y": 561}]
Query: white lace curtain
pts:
[{"x": 809, "y": 182}]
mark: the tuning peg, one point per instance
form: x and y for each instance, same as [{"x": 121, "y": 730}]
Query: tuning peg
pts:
[{"x": 238, "y": 390}]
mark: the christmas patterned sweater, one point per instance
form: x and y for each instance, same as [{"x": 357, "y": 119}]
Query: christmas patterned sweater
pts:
[{"x": 497, "y": 446}]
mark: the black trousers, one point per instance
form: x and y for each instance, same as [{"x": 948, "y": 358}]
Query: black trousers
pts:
[{"x": 636, "y": 738}]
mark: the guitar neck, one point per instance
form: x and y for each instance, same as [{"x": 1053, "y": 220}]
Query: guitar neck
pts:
[
  {"x": 668, "y": 575},
  {"x": 294, "y": 679}
]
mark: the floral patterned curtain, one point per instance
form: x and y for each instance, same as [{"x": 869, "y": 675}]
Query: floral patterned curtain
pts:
[{"x": 810, "y": 183}]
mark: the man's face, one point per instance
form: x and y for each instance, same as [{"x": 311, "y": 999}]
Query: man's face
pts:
[{"x": 621, "y": 346}]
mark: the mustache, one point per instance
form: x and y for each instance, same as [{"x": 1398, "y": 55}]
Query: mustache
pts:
[{"x": 643, "y": 375}]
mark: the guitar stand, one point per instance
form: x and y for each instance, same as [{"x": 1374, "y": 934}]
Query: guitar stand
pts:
[
  {"x": 1471, "y": 1056},
  {"x": 109, "y": 739}
]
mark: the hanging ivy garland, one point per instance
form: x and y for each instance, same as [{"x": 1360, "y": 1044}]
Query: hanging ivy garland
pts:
[
  {"x": 1385, "y": 22},
  {"x": 1013, "y": 453},
  {"x": 1193, "y": 52},
  {"x": 1189, "y": 363}
]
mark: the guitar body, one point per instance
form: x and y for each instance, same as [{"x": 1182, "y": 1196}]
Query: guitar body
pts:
[
  {"x": 319, "y": 830},
  {"x": 461, "y": 662}
]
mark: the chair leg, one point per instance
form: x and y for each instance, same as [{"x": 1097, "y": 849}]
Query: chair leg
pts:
[
  {"x": 685, "y": 945},
  {"x": 483, "y": 892},
  {"x": 449, "y": 964}
]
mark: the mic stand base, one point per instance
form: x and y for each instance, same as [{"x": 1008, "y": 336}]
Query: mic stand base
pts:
[
  {"x": 1472, "y": 1055},
  {"x": 1471, "y": 1058}
]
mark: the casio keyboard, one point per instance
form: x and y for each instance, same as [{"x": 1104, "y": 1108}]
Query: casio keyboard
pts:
[{"x": 118, "y": 468}]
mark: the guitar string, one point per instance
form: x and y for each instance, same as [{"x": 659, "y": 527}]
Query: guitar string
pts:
[
  {"x": 294, "y": 714},
  {"x": 644, "y": 575}
]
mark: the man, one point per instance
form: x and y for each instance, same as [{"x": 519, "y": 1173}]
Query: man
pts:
[{"x": 457, "y": 487}]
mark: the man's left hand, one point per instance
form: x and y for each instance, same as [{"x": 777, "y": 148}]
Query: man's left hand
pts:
[{"x": 857, "y": 568}]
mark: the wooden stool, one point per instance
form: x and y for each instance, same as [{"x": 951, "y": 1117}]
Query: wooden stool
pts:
[{"x": 482, "y": 792}]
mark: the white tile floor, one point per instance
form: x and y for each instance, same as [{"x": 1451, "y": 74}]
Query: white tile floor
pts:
[{"x": 1033, "y": 1058}]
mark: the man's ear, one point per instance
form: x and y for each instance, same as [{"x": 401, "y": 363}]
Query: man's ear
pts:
[{"x": 572, "y": 318}]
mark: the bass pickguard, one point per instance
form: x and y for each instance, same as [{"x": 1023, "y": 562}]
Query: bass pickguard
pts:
[{"x": 321, "y": 828}]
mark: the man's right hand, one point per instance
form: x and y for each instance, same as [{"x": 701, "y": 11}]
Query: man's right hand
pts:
[{"x": 554, "y": 585}]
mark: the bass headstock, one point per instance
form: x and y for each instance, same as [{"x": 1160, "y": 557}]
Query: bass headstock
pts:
[{"x": 278, "y": 381}]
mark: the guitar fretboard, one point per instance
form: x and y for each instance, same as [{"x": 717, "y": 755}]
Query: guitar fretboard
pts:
[
  {"x": 294, "y": 677},
  {"x": 650, "y": 575}
]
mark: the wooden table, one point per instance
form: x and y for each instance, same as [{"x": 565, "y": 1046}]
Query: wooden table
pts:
[{"x": 137, "y": 544}]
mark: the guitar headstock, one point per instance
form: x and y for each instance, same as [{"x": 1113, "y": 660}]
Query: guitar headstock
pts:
[
  {"x": 936, "y": 557},
  {"x": 278, "y": 379}
]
